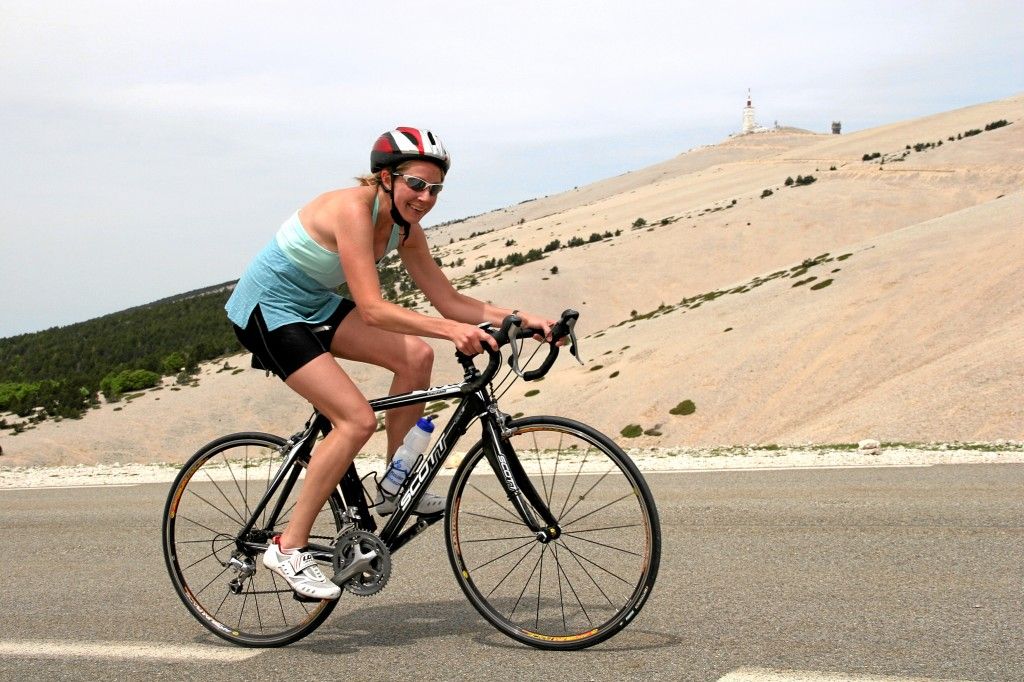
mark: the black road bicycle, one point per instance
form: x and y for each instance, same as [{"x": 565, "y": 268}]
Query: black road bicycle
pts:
[{"x": 551, "y": 530}]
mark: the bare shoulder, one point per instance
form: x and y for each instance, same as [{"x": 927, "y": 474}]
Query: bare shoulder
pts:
[{"x": 323, "y": 216}]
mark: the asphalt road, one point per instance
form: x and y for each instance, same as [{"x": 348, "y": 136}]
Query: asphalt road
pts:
[{"x": 894, "y": 572}]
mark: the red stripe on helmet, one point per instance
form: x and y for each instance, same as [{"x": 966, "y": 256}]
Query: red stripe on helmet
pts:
[
  {"x": 414, "y": 135},
  {"x": 385, "y": 144}
]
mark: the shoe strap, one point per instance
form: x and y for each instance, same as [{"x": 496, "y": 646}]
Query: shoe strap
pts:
[{"x": 305, "y": 560}]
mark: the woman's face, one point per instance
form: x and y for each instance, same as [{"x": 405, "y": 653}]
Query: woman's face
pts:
[{"x": 413, "y": 204}]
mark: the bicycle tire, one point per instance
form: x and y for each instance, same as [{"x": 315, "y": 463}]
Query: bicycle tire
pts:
[
  {"x": 210, "y": 496},
  {"x": 604, "y": 487}
]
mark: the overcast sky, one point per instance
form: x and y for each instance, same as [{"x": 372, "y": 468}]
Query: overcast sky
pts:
[{"x": 147, "y": 149}]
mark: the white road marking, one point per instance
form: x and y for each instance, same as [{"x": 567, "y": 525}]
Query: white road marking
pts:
[
  {"x": 787, "y": 468},
  {"x": 124, "y": 650},
  {"x": 69, "y": 487},
  {"x": 770, "y": 675}
]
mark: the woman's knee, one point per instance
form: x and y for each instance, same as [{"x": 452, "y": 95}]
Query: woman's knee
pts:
[
  {"x": 359, "y": 426},
  {"x": 419, "y": 359}
]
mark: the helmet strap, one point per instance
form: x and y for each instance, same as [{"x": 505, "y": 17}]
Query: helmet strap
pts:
[{"x": 395, "y": 215}]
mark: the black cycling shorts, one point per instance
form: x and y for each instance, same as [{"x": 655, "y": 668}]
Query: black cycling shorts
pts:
[{"x": 287, "y": 348}]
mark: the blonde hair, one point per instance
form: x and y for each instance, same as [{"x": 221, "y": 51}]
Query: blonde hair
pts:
[{"x": 373, "y": 179}]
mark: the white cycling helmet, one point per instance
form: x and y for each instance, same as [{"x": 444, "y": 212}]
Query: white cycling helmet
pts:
[{"x": 408, "y": 144}]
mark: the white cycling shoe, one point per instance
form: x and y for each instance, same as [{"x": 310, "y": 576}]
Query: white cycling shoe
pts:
[
  {"x": 428, "y": 504},
  {"x": 300, "y": 571}
]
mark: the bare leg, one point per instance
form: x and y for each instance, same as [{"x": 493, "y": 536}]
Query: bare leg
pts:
[
  {"x": 323, "y": 383},
  {"x": 409, "y": 357}
]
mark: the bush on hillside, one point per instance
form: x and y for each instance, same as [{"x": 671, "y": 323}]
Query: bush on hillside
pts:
[{"x": 114, "y": 385}]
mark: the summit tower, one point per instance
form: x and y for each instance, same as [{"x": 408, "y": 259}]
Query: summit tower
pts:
[{"x": 749, "y": 124}]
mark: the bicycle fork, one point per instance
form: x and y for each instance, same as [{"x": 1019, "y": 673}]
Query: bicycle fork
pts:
[{"x": 521, "y": 492}]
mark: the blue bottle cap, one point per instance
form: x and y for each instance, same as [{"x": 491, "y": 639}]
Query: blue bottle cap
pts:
[{"x": 425, "y": 424}]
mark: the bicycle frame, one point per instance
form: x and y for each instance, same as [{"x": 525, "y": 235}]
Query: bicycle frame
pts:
[{"x": 474, "y": 404}]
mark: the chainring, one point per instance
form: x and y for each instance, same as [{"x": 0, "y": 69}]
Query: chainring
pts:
[{"x": 364, "y": 547}]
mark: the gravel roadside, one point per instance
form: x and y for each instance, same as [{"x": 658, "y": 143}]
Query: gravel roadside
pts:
[{"x": 647, "y": 459}]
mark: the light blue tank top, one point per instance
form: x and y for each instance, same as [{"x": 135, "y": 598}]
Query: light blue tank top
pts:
[{"x": 293, "y": 278}]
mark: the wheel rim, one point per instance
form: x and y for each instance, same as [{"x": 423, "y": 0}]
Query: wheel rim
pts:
[
  {"x": 578, "y": 587},
  {"x": 205, "y": 512}
]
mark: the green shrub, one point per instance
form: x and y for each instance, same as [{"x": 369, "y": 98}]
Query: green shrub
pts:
[
  {"x": 174, "y": 363},
  {"x": 552, "y": 245},
  {"x": 684, "y": 408},
  {"x": 789, "y": 182},
  {"x": 114, "y": 385},
  {"x": 766, "y": 193},
  {"x": 639, "y": 222},
  {"x": 631, "y": 431},
  {"x": 532, "y": 392},
  {"x": 997, "y": 124}
]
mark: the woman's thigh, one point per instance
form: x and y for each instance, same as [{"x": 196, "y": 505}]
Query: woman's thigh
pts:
[
  {"x": 328, "y": 387},
  {"x": 356, "y": 340}
]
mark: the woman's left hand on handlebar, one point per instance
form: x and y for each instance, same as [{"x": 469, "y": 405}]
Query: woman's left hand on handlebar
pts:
[{"x": 537, "y": 322}]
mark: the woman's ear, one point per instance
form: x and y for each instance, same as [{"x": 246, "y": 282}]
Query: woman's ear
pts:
[{"x": 386, "y": 173}]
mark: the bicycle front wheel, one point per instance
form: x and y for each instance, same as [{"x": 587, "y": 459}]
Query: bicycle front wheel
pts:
[
  {"x": 586, "y": 585},
  {"x": 226, "y": 588}
]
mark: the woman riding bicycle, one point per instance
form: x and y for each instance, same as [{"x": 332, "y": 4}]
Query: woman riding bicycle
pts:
[{"x": 286, "y": 312}]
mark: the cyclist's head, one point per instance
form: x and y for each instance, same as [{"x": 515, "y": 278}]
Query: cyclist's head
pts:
[
  {"x": 396, "y": 150},
  {"x": 408, "y": 144}
]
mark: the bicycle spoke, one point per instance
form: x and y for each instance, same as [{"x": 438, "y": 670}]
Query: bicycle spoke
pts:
[
  {"x": 498, "y": 504},
  {"x": 532, "y": 540},
  {"x": 510, "y": 571},
  {"x": 211, "y": 582},
  {"x": 573, "y": 555},
  {"x": 584, "y": 495},
  {"x": 215, "y": 507},
  {"x": 617, "y": 549},
  {"x": 215, "y": 532},
  {"x": 237, "y": 513},
  {"x": 574, "y": 481},
  {"x": 273, "y": 579},
  {"x": 245, "y": 501},
  {"x": 213, "y": 553},
  {"x": 540, "y": 580},
  {"x": 540, "y": 467},
  {"x": 554, "y": 476},
  {"x": 604, "y": 506},
  {"x": 574, "y": 593},
  {"x": 256, "y": 603},
  {"x": 595, "y": 530},
  {"x": 509, "y": 537},
  {"x": 558, "y": 576},
  {"x": 493, "y": 518},
  {"x": 529, "y": 579},
  {"x": 594, "y": 563}
]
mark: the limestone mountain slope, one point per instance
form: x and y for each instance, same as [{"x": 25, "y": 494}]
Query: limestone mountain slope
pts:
[{"x": 883, "y": 300}]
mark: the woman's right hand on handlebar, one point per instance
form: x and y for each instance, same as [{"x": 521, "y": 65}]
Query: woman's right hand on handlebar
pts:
[{"x": 470, "y": 340}]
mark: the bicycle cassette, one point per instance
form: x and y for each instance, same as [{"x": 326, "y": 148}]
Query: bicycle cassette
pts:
[{"x": 362, "y": 563}]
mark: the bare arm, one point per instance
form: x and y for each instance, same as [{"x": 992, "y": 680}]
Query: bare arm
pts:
[
  {"x": 442, "y": 295},
  {"x": 354, "y": 236}
]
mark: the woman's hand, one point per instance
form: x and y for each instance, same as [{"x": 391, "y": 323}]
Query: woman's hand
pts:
[
  {"x": 470, "y": 339},
  {"x": 531, "y": 321}
]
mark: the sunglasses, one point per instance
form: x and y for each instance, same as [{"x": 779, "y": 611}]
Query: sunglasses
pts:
[{"x": 419, "y": 184}]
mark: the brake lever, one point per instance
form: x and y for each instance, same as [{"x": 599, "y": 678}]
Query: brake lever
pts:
[
  {"x": 574, "y": 348},
  {"x": 513, "y": 336}
]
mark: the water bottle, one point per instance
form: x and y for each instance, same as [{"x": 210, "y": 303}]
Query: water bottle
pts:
[{"x": 414, "y": 444}]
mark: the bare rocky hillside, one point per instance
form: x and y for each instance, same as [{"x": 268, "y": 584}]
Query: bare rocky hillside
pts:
[{"x": 883, "y": 300}]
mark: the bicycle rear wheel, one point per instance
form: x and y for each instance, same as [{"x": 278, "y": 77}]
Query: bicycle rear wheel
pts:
[
  {"x": 586, "y": 585},
  {"x": 229, "y": 590}
]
